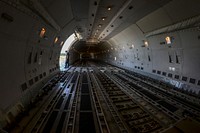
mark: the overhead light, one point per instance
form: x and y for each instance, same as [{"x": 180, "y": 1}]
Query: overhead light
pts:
[
  {"x": 97, "y": 30},
  {"x": 168, "y": 40},
  {"x": 61, "y": 43},
  {"x": 99, "y": 25},
  {"x": 109, "y": 8},
  {"x": 42, "y": 32},
  {"x": 103, "y": 18},
  {"x": 56, "y": 39},
  {"x": 146, "y": 44},
  {"x": 92, "y": 41}
]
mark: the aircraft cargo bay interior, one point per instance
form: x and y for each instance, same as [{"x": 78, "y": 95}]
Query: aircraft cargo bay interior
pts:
[{"x": 99, "y": 66}]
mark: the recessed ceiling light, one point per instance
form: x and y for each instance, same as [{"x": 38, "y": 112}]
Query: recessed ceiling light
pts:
[
  {"x": 109, "y": 8},
  {"x": 61, "y": 43},
  {"x": 103, "y": 18},
  {"x": 42, "y": 32},
  {"x": 168, "y": 40},
  {"x": 146, "y": 43},
  {"x": 100, "y": 25},
  {"x": 56, "y": 39},
  {"x": 97, "y": 30}
]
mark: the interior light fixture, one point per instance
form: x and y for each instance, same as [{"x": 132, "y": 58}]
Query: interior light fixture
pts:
[
  {"x": 99, "y": 25},
  {"x": 146, "y": 44},
  {"x": 42, "y": 32},
  {"x": 61, "y": 43},
  {"x": 103, "y": 18},
  {"x": 168, "y": 40},
  {"x": 56, "y": 39},
  {"x": 109, "y": 8}
]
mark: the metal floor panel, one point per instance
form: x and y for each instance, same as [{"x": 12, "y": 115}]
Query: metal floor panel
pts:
[{"x": 86, "y": 123}]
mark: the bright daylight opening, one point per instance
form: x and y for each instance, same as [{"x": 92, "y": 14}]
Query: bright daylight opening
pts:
[{"x": 64, "y": 57}]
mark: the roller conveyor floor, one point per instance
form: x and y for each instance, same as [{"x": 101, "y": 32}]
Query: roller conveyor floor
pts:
[{"x": 99, "y": 98}]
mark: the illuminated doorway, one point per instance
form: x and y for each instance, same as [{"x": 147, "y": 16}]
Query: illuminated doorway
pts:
[{"x": 63, "y": 54}]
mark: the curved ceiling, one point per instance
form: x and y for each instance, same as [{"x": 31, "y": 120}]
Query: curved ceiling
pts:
[{"x": 99, "y": 20}]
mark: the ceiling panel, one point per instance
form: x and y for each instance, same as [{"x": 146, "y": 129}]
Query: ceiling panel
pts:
[{"x": 60, "y": 10}]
